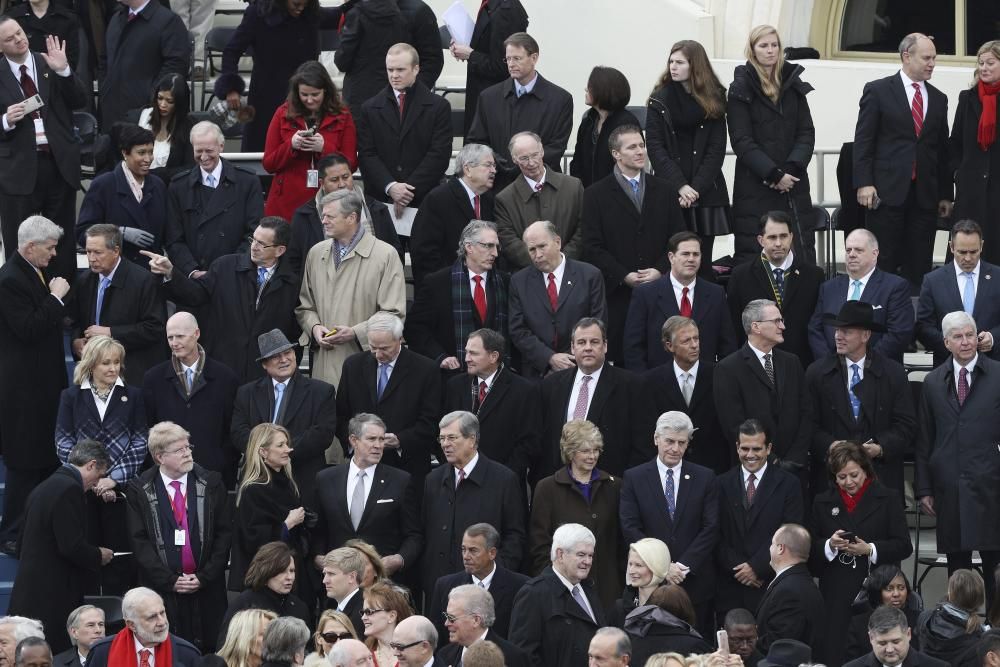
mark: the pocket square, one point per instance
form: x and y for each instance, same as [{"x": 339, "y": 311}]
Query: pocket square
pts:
[{"x": 385, "y": 500}]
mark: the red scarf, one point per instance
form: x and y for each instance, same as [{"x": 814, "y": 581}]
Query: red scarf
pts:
[
  {"x": 123, "y": 654},
  {"x": 851, "y": 502},
  {"x": 988, "y": 119}
]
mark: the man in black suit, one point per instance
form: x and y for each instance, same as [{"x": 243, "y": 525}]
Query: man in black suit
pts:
[
  {"x": 177, "y": 497},
  {"x": 448, "y": 208},
  {"x": 247, "y": 294},
  {"x": 119, "y": 299},
  {"x": 888, "y": 293},
  {"x": 792, "y": 606},
  {"x": 455, "y": 301},
  {"x": 889, "y": 634},
  {"x": 548, "y": 299},
  {"x": 211, "y": 208},
  {"x": 603, "y": 394},
  {"x": 681, "y": 292},
  {"x": 496, "y": 21},
  {"x": 479, "y": 556},
  {"x": 766, "y": 383},
  {"x": 145, "y": 41},
  {"x": 628, "y": 218},
  {"x": 307, "y": 228},
  {"x": 196, "y": 392},
  {"x": 857, "y": 394},
  {"x": 418, "y": 638},
  {"x": 38, "y": 173},
  {"x": 56, "y": 562},
  {"x": 343, "y": 571},
  {"x": 85, "y": 626},
  {"x": 400, "y": 386},
  {"x": 368, "y": 501},
  {"x": 526, "y": 101},
  {"x": 469, "y": 618},
  {"x": 685, "y": 385},
  {"x": 304, "y": 406},
  {"x": 901, "y": 167},
  {"x": 678, "y": 502},
  {"x": 404, "y": 134},
  {"x": 968, "y": 284},
  {"x": 780, "y": 275},
  {"x": 755, "y": 499},
  {"x": 507, "y": 405},
  {"x": 31, "y": 347},
  {"x": 469, "y": 489},
  {"x": 557, "y": 613}
]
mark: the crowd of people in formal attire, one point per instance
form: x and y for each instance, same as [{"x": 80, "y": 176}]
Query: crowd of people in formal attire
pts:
[{"x": 576, "y": 442}]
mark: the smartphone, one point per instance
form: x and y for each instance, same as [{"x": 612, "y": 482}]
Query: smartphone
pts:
[
  {"x": 849, "y": 536},
  {"x": 33, "y": 104},
  {"x": 307, "y": 132},
  {"x": 722, "y": 638}
]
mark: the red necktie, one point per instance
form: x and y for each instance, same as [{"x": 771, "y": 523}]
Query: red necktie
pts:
[
  {"x": 461, "y": 478},
  {"x": 482, "y": 392},
  {"x": 539, "y": 186},
  {"x": 28, "y": 86},
  {"x": 479, "y": 298},
  {"x": 131, "y": 16},
  {"x": 475, "y": 205},
  {"x": 180, "y": 516},
  {"x": 553, "y": 294},
  {"x": 402, "y": 104},
  {"x": 963, "y": 385},
  {"x": 917, "y": 111},
  {"x": 144, "y": 657},
  {"x": 751, "y": 488},
  {"x": 685, "y": 303}
]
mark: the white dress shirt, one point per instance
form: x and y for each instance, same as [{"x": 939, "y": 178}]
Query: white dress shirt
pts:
[
  {"x": 661, "y": 468},
  {"x": 183, "y": 479},
  {"x": 469, "y": 193},
  {"x": 352, "y": 481},
  {"x": 591, "y": 388},
  {"x": 679, "y": 373},
  {"x": 957, "y": 367},
  {"x": 541, "y": 181},
  {"x": 557, "y": 272},
  {"x": 760, "y": 355},
  {"x": 467, "y": 468},
  {"x": 679, "y": 290},
  {"x": 911, "y": 92},
  {"x": 850, "y": 372},
  {"x": 487, "y": 580},
  {"x": 216, "y": 174},
  {"x": 864, "y": 283},
  {"x": 758, "y": 476},
  {"x": 102, "y": 406},
  {"x": 569, "y": 585},
  {"x": 139, "y": 648},
  {"x": 784, "y": 266},
  {"x": 962, "y": 279}
]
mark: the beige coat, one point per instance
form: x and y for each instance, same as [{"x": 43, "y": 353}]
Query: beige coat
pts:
[{"x": 369, "y": 280}]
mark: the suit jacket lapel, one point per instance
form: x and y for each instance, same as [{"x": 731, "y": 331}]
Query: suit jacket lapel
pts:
[
  {"x": 10, "y": 81},
  {"x": 984, "y": 292},
  {"x": 605, "y": 387},
  {"x": 224, "y": 196},
  {"x": 295, "y": 397},
  {"x": 666, "y": 300},
  {"x": 264, "y": 399},
  {"x": 376, "y": 494},
  {"x": 569, "y": 275},
  {"x": 764, "y": 490},
  {"x": 370, "y": 371},
  {"x": 42, "y": 82},
  {"x": 750, "y": 357},
  {"x": 700, "y": 392},
  {"x": 656, "y": 491},
  {"x": 899, "y": 93},
  {"x": 495, "y": 396},
  {"x": 339, "y": 491}
]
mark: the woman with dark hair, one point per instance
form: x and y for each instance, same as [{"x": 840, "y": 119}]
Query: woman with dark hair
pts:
[
  {"x": 269, "y": 581},
  {"x": 312, "y": 122},
  {"x": 886, "y": 585},
  {"x": 129, "y": 196},
  {"x": 664, "y": 624},
  {"x": 951, "y": 630},
  {"x": 686, "y": 140},
  {"x": 772, "y": 133},
  {"x": 865, "y": 525},
  {"x": 975, "y": 154},
  {"x": 607, "y": 95},
  {"x": 285, "y": 34},
  {"x": 167, "y": 118},
  {"x": 268, "y": 507}
]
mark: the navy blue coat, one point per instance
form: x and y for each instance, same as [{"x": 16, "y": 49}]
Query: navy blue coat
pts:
[
  {"x": 941, "y": 294},
  {"x": 691, "y": 534},
  {"x": 651, "y": 305},
  {"x": 888, "y": 293},
  {"x": 184, "y": 652}
]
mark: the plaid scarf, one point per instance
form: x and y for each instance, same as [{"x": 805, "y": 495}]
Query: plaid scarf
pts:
[
  {"x": 198, "y": 368},
  {"x": 462, "y": 306}
]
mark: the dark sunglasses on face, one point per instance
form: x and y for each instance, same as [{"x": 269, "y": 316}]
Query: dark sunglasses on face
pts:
[{"x": 334, "y": 637}]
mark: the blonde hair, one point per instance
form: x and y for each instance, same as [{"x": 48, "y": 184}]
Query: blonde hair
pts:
[
  {"x": 255, "y": 471},
  {"x": 576, "y": 434},
  {"x": 336, "y": 616},
  {"x": 665, "y": 659},
  {"x": 93, "y": 353},
  {"x": 371, "y": 555},
  {"x": 770, "y": 82},
  {"x": 993, "y": 46},
  {"x": 242, "y": 635}
]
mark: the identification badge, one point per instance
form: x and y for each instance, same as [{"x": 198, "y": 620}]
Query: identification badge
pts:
[
  {"x": 180, "y": 539},
  {"x": 312, "y": 178},
  {"x": 39, "y": 128}
]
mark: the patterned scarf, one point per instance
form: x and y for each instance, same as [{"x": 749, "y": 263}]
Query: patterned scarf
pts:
[{"x": 462, "y": 306}]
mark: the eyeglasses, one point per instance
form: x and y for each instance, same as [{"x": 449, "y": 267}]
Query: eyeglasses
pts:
[
  {"x": 399, "y": 648},
  {"x": 370, "y": 612},
  {"x": 263, "y": 246},
  {"x": 451, "y": 439},
  {"x": 488, "y": 246},
  {"x": 514, "y": 60},
  {"x": 334, "y": 637},
  {"x": 490, "y": 166},
  {"x": 776, "y": 321},
  {"x": 528, "y": 159},
  {"x": 451, "y": 618},
  {"x": 186, "y": 448}
]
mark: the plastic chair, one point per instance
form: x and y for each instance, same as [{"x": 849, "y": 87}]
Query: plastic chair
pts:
[
  {"x": 216, "y": 41},
  {"x": 640, "y": 115},
  {"x": 85, "y": 130}
]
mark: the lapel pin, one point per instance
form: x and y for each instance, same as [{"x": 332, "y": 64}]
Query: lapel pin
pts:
[
  {"x": 45, "y": 75},
  {"x": 569, "y": 282},
  {"x": 687, "y": 476},
  {"x": 124, "y": 399},
  {"x": 381, "y": 481},
  {"x": 835, "y": 511},
  {"x": 796, "y": 272},
  {"x": 987, "y": 276}
]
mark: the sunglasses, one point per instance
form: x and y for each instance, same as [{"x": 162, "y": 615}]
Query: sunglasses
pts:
[
  {"x": 334, "y": 637},
  {"x": 399, "y": 648}
]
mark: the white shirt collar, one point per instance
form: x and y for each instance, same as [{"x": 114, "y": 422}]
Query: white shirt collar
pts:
[
  {"x": 759, "y": 475},
  {"x": 353, "y": 469},
  {"x": 341, "y": 604},
  {"x": 86, "y": 383},
  {"x": 183, "y": 479},
  {"x": 111, "y": 275},
  {"x": 662, "y": 468},
  {"x": 527, "y": 87},
  {"x": 469, "y": 192},
  {"x": 216, "y": 173},
  {"x": 139, "y": 647},
  {"x": 488, "y": 379},
  {"x": 784, "y": 266},
  {"x": 557, "y": 272},
  {"x": 860, "y": 362},
  {"x": 678, "y": 287},
  {"x": 959, "y": 272},
  {"x": 760, "y": 354},
  {"x": 468, "y": 467},
  {"x": 566, "y": 582},
  {"x": 275, "y": 383},
  {"x": 29, "y": 62},
  {"x": 863, "y": 279},
  {"x": 139, "y": 8},
  {"x": 908, "y": 86},
  {"x": 679, "y": 372},
  {"x": 532, "y": 184},
  {"x": 594, "y": 377},
  {"x": 971, "y": 366},
  {"x": 487, "y": 580}
]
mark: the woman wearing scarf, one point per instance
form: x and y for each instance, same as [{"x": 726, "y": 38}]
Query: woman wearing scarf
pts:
[
  {"x": 974, "y": 153},
  {"x": 856, "y": 525}
]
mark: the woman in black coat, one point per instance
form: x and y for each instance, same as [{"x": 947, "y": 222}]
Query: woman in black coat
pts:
[
  {"x": 975, "y": 154},
  {"x": 886, "y": 585},
  {"x": 855, "y": 525},
  {"x": 268, "y": 507},
  {"x": 664, "y": 625},
  {"x": 167, "y": 118},
  {"x": 771, "y": 130},
  {"x": 607, "y": 94},
  {"x": 368, "y": 32},
  {"x": 285, "y": 33},
  {"x": 686, "y": 140}
]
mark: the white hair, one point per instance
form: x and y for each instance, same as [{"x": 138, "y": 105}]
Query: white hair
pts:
[
  {"x": 24, "y": 627},
  {"x": 206, "y": 127},
  {"x": 37, "y": 229},
  {"x": 675, "y": 422},
  {"x": 956, "y": 320},
  {"x": 569, "y": 535},
  {"x": 386, "y": 322},
  {"x": 133, "y": 598}
]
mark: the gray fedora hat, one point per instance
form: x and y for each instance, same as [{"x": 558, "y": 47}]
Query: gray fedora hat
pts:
[{"x": 271, "y": 343}]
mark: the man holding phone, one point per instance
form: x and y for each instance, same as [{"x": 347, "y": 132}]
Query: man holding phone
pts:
[{"x": 39, "y": 156}]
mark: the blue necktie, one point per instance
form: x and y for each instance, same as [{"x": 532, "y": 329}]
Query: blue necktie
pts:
[
  {"x": 856, "y": 294},
  {"x": 779, "y": 281},
  {"x": 855, "y": 401},
  {"x": 105, "y": 281},
  {"x": 189, "y": 374},
  {"x": 279, "y": 392},
  {"x": 383, "y": 379},
  {"x": 634, "y": 182},
  {"x": 668, "y": 491},
  {"x": 210, "y": 181},
  {"x": 969, "y": 292},
  {"x": 261, "y": 276}
]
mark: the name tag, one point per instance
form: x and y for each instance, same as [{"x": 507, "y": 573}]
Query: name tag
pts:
[
  {"x": 40, "y": 138},
  {"x": 180, "y": 538}
]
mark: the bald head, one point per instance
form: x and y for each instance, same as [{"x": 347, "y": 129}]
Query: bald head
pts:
[
  {"x": 349, "y": 653},
  {"x": 182, "y": 337},
  {"x": 918, "y": 56},
  {"x": 544, "y": 245}
]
